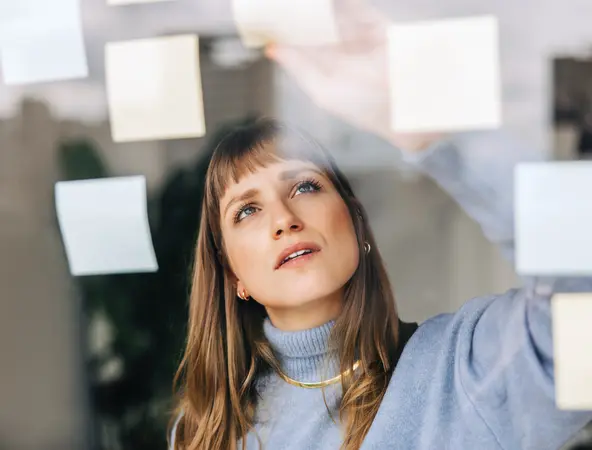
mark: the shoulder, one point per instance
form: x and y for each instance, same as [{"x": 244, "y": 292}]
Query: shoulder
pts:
[{"x": 450, "y": 334}]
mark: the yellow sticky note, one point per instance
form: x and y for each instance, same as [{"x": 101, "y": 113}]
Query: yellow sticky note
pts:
[
  {"x": 572, "y": 341},
  {"x": 305, "y": 22},
  {"x": 154, "y": 88},
  {"x": 444, "y": 75}
]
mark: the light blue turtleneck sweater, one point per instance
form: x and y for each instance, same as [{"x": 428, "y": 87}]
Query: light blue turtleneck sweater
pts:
[{"x": 477, "y": 379}]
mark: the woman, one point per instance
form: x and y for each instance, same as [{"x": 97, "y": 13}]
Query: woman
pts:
[
  {"x": 294, "y": 340},
  {"x": 289, "y": 288}
]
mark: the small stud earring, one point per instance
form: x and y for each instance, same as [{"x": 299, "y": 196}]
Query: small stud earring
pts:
[{"x": 367, "y": 247}]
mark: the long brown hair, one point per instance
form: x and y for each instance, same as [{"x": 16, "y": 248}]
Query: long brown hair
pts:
[{"x": 226, "y": 350}]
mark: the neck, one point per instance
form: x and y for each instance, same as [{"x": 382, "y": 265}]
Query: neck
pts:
[
  {"x": 308, "y": 315},
  {"x": 303, "y": 355}
]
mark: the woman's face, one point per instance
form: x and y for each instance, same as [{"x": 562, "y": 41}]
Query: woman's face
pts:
[{"x": 289, "y": 237}]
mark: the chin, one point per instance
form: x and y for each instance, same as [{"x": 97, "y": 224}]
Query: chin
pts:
[
  {"x": 307, "y": 290},
  {"x": 299, "y": 299}
]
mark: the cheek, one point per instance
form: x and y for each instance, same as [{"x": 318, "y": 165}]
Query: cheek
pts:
[
  {"x": 338, "y": 222},
  {"x": 340, "y": 232},
  {"x": 246, "y": 257}
]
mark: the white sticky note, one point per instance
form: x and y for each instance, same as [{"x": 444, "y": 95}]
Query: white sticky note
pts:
[
  {"x": 104, "y": 225},
  {"x": 130, "y": 2},
  {"x": 444, "y": 75},
  {"x": 41, "y": 41},
  {"x": 553, "y": 218},
  {"x": 154, "y": 89},
  {"x": 572, "y": 349},
  {"x": 305, "y": 22}
]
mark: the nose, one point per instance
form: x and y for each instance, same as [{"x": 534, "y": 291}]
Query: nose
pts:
[{"x": 285, "y": 221}]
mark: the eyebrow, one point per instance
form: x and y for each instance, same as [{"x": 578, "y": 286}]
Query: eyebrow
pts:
[
  {"x": 241, "y": 198},
  {"x": 284, "y": 175},
  {"x": 294, "y": 173}
]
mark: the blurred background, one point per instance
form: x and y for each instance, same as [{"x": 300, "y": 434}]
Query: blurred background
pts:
[{"x": 87, "y": 362}]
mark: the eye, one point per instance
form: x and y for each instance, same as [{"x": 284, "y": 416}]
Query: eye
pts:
[
  {"x": 243, "y": 212},
  {"x": 307, "y": 186}
]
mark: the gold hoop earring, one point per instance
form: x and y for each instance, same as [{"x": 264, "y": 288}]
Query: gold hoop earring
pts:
[
  {"x": 243, "y": 296},
  {"x": 367, "y": 247}
]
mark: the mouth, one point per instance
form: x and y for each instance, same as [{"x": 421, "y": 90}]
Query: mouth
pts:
[{"x": 296, "y": 253}]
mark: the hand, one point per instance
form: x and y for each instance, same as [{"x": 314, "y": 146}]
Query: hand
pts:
[{"x": 350, "y": 79}]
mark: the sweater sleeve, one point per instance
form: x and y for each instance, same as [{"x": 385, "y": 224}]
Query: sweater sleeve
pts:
[{"x": 505, "y": 347}]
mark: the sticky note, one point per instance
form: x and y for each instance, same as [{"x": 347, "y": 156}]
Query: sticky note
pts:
[
  {"x": 41, "y": 41},
  {"x": 104, "y": 225},
  {"x": 154, "y": 88},
  {"x": 444, "y": 75},
  {"x": 305, "y": 22},
  {"x": 130, "y": 2},
  {"x": 44, "y": 57},
  {"x": 553, "y": 218},
  {"x": 572, "y": 349}
]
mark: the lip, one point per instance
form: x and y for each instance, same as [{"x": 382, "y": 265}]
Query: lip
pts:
[{"x": 295, "y": 248}]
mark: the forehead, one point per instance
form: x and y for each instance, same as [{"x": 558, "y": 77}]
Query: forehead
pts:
[{"x": 271, "y": 173}]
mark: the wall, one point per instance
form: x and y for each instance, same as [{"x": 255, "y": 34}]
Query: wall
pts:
[{"x": 40, "y": 378}]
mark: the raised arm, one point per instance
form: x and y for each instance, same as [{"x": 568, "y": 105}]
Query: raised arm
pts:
[{"x": 505, "y": 355}]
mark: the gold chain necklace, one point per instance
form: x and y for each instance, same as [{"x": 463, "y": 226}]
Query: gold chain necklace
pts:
[{"x": 317, "y": 384}]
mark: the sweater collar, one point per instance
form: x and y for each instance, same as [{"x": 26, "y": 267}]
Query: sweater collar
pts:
[
  {"x": 301, "y": 343},
  {"x": 302, "y": 354}
]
